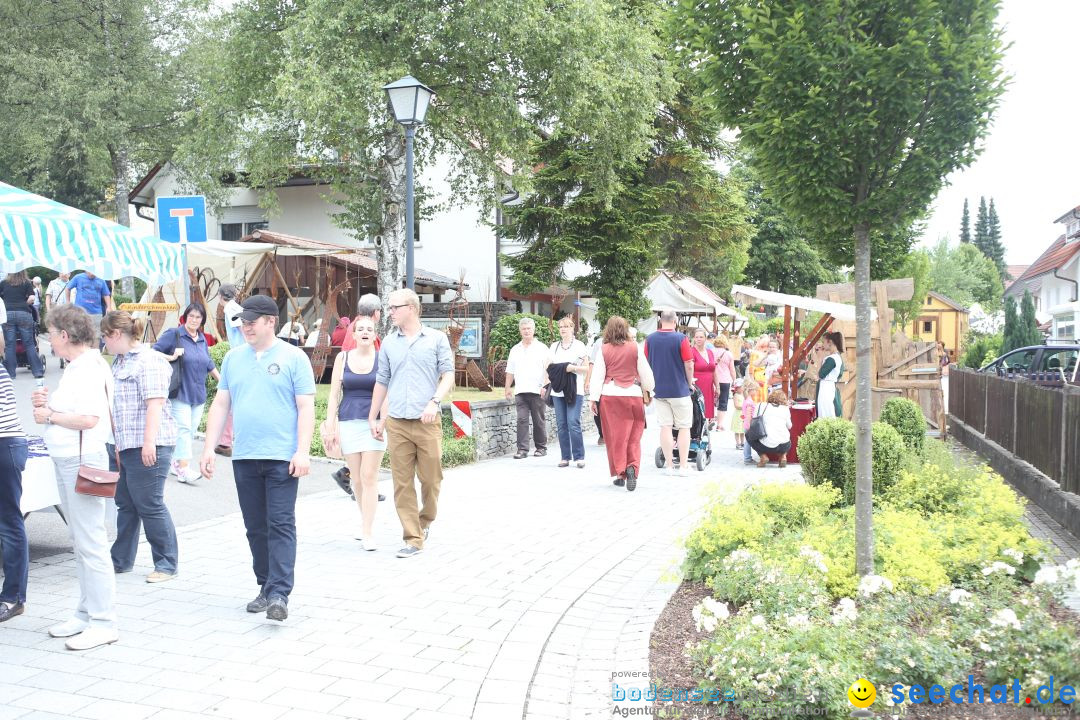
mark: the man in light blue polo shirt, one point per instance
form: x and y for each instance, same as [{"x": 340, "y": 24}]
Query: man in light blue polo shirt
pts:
[
  {"x": 416, "y": 371},
  {"x": 269, "y": 386}
]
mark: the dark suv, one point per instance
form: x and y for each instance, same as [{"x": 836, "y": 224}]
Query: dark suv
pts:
[{"x": 1044, "y": 364}]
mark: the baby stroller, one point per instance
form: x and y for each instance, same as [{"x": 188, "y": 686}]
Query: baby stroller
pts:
[
  {"x": 700, "y": 444},
  {"x": 22, "y": 359}
]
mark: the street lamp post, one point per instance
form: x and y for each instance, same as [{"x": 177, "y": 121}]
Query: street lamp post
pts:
[{"x": 409, "y": 99}]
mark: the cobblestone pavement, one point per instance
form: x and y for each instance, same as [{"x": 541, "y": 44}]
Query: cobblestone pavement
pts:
[{"x": 537, "y": 583}]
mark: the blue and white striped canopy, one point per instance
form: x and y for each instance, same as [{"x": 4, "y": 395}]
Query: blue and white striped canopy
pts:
[{"x": 37, "y": 231}]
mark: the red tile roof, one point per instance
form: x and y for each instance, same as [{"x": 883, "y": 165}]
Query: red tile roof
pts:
[{"x": 1053, "y": 258}]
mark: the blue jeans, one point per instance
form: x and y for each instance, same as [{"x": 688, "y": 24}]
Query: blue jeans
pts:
[
  {"x": 746, "y": 451},
  {"x": 267, "y": 495},
  {"x": 140, "y": 503},
  {"x": 21, "y": 323},
  {"x": 12, "y": 531},
  {"x": 568, "y": 419},
  {"x": 187, "y": 422}
]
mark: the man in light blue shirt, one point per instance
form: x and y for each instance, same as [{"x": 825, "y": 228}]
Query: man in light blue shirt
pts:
[
  {"x": 269, "y": 386},
  {"x": 416, "y": 371}
]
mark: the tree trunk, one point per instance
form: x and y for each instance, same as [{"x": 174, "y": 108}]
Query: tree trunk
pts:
[
  {"x": 390, "y": 253},
  {"x": 864, "y": 481},
  {"x": 121, "y": 168}
]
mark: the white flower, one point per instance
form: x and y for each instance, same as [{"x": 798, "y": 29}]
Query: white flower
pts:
[
  {"x": 758, "y": 621},
  {"x": 844, "y": 611},
  {"x": 708, "y": 613},
  {"x": 1005, "y": 617},
  {"x": 998, "y": 565},
  {"x": 815, "y": 557},
  {"x": 1014, "y": 554},
  {"x": 801, "y": 620},
  {"x": 961, "y": 597},
  {"x": 873, "y": 584}
]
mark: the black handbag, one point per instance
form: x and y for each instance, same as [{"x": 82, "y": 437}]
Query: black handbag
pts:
[
  {"x": 756, "y": 431},
  {"x": 177, "y": 371}
]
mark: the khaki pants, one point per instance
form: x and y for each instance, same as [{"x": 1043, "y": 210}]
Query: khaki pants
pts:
[{"x": 415, "y": 451}]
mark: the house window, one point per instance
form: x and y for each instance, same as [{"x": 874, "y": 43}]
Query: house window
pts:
[
  {"x": 928, "y": 326},
  {"x": 929, "y": 300},
  {"x": 235, "y": 231}
]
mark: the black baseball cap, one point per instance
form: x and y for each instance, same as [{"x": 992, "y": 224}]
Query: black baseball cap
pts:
[{"x": 256, "y": 306}]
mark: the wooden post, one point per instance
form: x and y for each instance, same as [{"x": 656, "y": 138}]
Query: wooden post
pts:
[{"x": 786, "y": 351}]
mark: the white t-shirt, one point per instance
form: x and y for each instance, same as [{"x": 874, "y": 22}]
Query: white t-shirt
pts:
[
  {"x": 81, "y": 391},
  {"x": 528, "y": 366},
  {"x": 575, "y": 355},
  {"x": 292, "y": 330},
  {"x": 777, "y": 419}
]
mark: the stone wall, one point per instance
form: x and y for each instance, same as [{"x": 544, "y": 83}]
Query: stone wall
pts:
[{"x": 494, "y": 424}]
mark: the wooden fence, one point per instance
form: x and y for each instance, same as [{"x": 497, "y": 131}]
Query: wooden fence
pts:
[{"x": 1038, "y": 424}]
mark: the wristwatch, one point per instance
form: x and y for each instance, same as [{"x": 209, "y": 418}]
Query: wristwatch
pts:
[
  {"x": 435, "y": 399},
  {"x": 48, "y": 419}
]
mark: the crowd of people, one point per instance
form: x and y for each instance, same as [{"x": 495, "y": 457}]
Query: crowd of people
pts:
[{"x": 135, "y": 418}]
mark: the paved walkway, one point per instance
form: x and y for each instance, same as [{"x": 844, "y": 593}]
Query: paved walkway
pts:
[{"x": 537, "y": 584}]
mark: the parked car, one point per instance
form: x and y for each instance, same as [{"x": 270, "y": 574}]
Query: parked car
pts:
[{"x": 1044, "y": 364}]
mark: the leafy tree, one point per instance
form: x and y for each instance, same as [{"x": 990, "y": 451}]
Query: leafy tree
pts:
[
  {"x": 89, "y": 91},
  {"x": 965, "y": 224},
  {"x": 782, "y": 257},
  {"x": 298, "y": 84},
  {"x": 993, "y": 247},
  {"x": 962, "y": 273},
  {"x": 854, "y": 113},
  {"x": 1010, "y": 336},
  {"x": 1028, "y": 332}
]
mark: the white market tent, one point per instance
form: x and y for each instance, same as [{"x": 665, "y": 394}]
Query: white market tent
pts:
[
  {"x": 35, "y": 230},
  {"x": 745, "y": 295},
  {"x": 690, "y": 299}
]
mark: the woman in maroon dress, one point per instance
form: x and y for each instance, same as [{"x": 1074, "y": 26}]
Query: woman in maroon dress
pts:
[{"x": 705, "y": 372}]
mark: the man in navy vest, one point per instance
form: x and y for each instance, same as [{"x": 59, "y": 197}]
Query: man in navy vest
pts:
[{"x": 672, "y": 364}]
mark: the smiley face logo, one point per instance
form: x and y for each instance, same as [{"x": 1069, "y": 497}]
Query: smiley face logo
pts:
[{"x": 862, "y": 693}]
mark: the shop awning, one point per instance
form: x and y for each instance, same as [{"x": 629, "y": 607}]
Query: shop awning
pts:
[
  {"x": 753, "y": 296},
  {"x": 37, "y": 231}
]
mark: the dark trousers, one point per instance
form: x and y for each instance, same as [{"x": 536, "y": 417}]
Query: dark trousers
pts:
[
  {"x": 267, "y": 495},
  {"x": 20, "y": 325},
  {"x": 596, "y": 419},
  {"x": 776, "y": 452},
  {"x": 531, "y": 406},
  {"x": 140, "y": 504},
  {"x": 16, "y": 551}
]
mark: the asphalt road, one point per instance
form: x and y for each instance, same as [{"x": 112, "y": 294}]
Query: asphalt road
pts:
[{"x": 188, "y": 504}]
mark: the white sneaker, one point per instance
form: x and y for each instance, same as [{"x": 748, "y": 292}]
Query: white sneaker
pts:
[
  {"x": 367, "y": 544},
  {"x": 92, "y": 637},
  {"x": 188, "y": 475},
  {"x": 683, "y": 471},
  {"x": 174, "y": 468},
  {"x": 74, "y": 626}
]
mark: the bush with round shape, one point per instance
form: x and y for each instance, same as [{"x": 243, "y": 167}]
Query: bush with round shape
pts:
[
  {"x": 504, "y": 333},
  {"x": 888, "y": 459},
  {"x": 907, "y": 417},
  {"x": 821, "y": 450}
]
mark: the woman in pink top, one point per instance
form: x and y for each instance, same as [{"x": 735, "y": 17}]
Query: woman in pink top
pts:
[
  {"x": 705, "y": 371},
  {"x": 725, "y": 375}
]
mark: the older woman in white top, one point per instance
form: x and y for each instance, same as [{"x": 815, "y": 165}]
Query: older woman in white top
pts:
[
  {"x": 76, "y": 416},
  {"x": 567, "y": 363}
]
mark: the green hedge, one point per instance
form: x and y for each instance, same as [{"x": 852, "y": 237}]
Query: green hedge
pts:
[
  {"x": 504, "y": 333},
  {"x": 907, "y": 418},
  {"x": 888, "y": 453},
  {"x": 821, "y": 450}
]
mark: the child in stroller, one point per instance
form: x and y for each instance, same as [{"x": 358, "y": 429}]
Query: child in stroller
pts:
[
  {"x": 22, "y": 359},
  {"x": 700, "y": 444}
]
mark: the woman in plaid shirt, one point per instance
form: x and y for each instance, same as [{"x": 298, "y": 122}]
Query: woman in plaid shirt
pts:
[{"x": 145, "y": 436}]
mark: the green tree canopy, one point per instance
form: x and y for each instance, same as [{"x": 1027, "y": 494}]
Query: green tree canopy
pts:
[
  {"x": 298, "y": 85},
  {"x": 962, "y": 273},
  {"x": 855, "y": 113},
  {"x": 965, "y": 224},
  {"x": 992, "y": 245}
]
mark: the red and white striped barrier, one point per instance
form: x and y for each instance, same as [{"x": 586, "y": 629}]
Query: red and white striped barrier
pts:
[{"x": 461, "y": 414}]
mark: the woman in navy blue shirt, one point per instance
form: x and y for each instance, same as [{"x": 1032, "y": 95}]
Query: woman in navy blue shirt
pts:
[
  {"x": 189, "y": 342},
  {"x": 346, "y": 427}
]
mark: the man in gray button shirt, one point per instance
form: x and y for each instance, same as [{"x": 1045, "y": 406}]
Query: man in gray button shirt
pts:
[{"x": 416, "y": 370}]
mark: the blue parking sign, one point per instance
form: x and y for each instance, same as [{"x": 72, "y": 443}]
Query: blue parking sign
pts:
[{"x": 182, "y": 219}]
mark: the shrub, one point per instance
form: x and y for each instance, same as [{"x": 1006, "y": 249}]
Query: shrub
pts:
[
  {"x": 217, "y": 354},
  {"x": 504, "y": 333},
  {"x": 758, "y": 514},
  {"x": 980, "y": 349},
  {"x": 907, "y": 418},
  {"x": 821, "y": 450},
  {"x": 888, "y": 458}
]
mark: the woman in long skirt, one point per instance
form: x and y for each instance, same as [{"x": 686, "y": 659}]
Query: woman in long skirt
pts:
[
  {"x": 832, "y": 369},
  {"x": 623, "y": 377}
]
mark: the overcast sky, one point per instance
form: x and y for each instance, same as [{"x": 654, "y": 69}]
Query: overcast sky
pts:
[{"x": 1031, "y": 162}]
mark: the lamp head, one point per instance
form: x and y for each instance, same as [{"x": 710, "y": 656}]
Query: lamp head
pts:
[{"x": 409, "y": 99}]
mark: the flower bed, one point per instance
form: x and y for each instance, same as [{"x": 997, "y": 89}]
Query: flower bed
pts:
[{"x": 960, "y": 593}]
